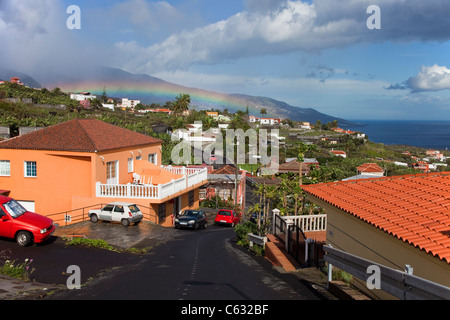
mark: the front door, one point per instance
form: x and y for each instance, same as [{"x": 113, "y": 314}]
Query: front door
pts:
[
  {"x": 112, "y": 172},
  {"x": 118, "y": 212},
  {"x": 176, "y": 206},
  {"x": 106, "y": 212}
]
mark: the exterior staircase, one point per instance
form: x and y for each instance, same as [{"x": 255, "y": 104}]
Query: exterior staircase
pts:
[{"x": 277, "y": 254}]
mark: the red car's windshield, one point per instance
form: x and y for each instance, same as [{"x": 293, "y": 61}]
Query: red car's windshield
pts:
[
  {"x": 224, "y": 213},
  {"x": 14, "y": 208}
]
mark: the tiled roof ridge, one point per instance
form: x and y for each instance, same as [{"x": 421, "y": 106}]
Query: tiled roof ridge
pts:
[
  {"x": 83, "y": 129},
  {"x": 418, "y": 175},
  {"x": 366, "y": 166}
]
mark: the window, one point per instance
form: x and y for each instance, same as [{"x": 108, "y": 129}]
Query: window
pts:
[
  {"x": 119, "y": 209},
  {"x": 30, "y": 169},
  {"x": 14, "y": 208},
  {"x": 108, "y": 207},
  {"x": 162, "y": 212},
  {"x": 130, "y": 165},
  {"x": 112, "y": 168},
  {"x": 5, "y": 168},
  {"x": 191, "y": 198},
  {"x": 153, "y": 158}
]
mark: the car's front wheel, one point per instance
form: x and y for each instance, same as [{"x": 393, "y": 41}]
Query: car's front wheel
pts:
[
  {"x": 94, "y": 218},
  {"x": 24, "y": 238}
]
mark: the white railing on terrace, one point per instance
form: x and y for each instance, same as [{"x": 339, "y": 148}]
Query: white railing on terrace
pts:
[
  {"x": 148, "y": 191},
  {"x": 307, "y": 223},
  {"x": 182, "y": 170}
]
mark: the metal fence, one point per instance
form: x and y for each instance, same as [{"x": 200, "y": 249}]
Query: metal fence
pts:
[
  {"x": 81, "y": 214},
  {"x": 290, "y": 231},
  {"x": 279, "y": 228},
  {"x": 403, "y": 285}
]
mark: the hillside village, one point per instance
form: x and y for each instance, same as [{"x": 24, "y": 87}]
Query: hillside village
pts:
[
  {"x": 329, "y": 139},
  {"x": 121, "y": 148}
]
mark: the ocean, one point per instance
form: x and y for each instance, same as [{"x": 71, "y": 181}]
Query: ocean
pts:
[{"x": 417, "y": 133}]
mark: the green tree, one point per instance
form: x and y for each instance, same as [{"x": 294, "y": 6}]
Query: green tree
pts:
[
  {"x": 181, "y": 103},
  {"x": 104, "y": 97},
  {"x": 303, "y": 148}
]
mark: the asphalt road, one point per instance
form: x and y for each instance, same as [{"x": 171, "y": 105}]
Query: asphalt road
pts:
[{"x": 195, "y": 265}]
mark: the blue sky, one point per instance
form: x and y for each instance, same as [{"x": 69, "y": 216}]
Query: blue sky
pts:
[{"x": 317, "y": 53}]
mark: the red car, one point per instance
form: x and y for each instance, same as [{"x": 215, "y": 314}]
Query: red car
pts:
[
  {"x": 24, "y": 226},
  {"x": 227, "y": 217}
]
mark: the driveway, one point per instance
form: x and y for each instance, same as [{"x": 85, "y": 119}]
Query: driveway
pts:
[
  {"x": 52, "y": 258},
  {"x": 140, "y": 235}
]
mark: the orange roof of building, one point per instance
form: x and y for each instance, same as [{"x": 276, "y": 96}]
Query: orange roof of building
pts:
[
  {"x": 226, "y": 170},
  {"x": 79, "y": 135},
  {"x": 337, "y": 152},
  {"x": 413, "y": 208},
  {"x": 370, "y": 167}
]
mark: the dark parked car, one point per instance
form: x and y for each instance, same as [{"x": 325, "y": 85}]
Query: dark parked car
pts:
[{"x": 192, "y": 219}]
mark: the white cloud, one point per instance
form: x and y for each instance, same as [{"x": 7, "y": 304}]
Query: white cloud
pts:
[
  {"x": 430, "y": 78},
  {"x": 280, "y": 27},
  {"x": 291, "y": 27}
]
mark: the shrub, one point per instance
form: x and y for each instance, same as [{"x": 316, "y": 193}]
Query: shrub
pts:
[
  {"x": 19, "y": 271},
  {"x": 96, "y": 243},
  {"x": 242, "y": 229}
]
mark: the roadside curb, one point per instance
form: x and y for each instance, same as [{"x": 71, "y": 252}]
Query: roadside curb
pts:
[{"x": 16, "y": 289}]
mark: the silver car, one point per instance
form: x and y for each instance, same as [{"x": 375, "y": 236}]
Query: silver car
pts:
[{"x": 122, "y": 212}]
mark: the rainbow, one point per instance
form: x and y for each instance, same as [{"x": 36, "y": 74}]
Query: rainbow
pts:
[{"x": 159, "y": 91}]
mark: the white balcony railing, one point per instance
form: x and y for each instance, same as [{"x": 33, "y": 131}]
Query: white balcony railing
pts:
[
  {"x": 156, "y": 192},
  {"x": 307, "y": 223}
]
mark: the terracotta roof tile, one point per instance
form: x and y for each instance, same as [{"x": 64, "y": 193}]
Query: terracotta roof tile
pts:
[
  {"x": 226, "y": 170},
  {"x": 413, "y": 208},
  {"x": 79, "y": 135},
  {"x": 370, "y": 167}
]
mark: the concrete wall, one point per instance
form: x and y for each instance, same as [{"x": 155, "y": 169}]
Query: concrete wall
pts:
[{"x": 5, "y": 132}]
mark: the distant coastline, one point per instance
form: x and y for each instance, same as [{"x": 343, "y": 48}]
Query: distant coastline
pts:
[{"x": 430, "y": 134}]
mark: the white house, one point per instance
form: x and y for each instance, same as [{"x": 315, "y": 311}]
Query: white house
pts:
[
  {"x": 253, "y": 119},
  {"x": 82, "y": 96},
  {"x": 305, "y": 125},
  {"x": 339, "y": 153},
  {"x": 108, "y": 106},
  {"x": 269, "y": 121},
  {"x": 436, "y": 155},
  {"x": 370, "y": 169},
  {"x": 127, "y": 103},
  {"x": 194, "y": 133}
]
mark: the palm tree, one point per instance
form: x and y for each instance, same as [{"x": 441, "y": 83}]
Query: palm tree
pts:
[
  {"x": 181, "y": 103},
  {"x": 302, "y": 149}
]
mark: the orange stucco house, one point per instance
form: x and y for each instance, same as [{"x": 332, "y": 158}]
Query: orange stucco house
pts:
[{"x": 64, "y": 170}]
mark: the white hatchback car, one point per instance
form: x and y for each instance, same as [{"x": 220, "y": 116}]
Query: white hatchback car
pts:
[{"x": 123, "y": 212}]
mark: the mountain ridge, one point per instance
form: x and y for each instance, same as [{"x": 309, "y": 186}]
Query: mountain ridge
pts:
[{"x": 120, "y": 83}]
